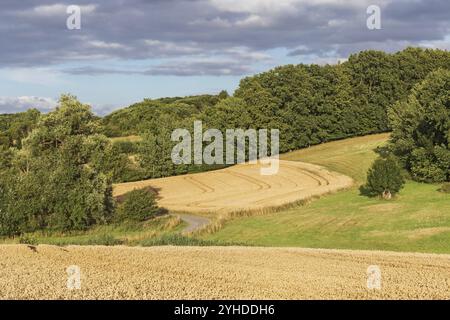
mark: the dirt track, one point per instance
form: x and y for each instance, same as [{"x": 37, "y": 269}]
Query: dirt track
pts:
[
  {"x": 215, "y": 273},
  {"x": 194, "y": 223},
  {"x": 241, "y": 187}
]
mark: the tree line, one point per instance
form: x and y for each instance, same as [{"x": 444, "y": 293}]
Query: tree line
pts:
[{"x": 309, "y": 104}]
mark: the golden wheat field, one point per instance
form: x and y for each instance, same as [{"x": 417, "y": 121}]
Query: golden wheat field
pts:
[
  {"x": 241, "y": 187},
  {"x": 218, "y": 273}
]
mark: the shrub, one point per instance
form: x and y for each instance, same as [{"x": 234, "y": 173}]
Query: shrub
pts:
[
  {"x": 26, "y": 239},
  {"x": 127, "y": 147},
  {"x": 384, "y": 178},
  {"x": 91, "y": 240},
  {"x": 138, "y": 205},
  {"x": 445, "y": 187},
  {"x": 181, "y": 240},
  {"x": 104, "y": 240},
  {"x": 9, "y": 224}
]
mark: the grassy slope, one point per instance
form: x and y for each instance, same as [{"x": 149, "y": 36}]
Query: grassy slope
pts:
[
  {"x": 418, "y": 220},
  {"x": 351, "y": 157}
]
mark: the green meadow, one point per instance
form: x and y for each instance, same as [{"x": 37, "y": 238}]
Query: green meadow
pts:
[{"x": 417, "y": 220}]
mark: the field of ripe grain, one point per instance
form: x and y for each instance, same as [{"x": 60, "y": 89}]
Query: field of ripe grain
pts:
[
  {"x": 218, "y": 273},
  {"x": 241, "y": 187}
]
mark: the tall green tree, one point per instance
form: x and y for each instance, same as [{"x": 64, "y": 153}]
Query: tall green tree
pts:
[
  {"x": 421, "y": 129},
  {"x": 54, "y": 180},
  {"x": 155, "y": 154}
]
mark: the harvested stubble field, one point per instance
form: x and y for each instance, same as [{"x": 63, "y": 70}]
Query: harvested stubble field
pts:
[
  {"x": 218, "y": 273},
  {"x": 241, "y": 187}
]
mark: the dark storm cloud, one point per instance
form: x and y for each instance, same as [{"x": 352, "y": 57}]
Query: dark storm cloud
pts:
[{"x": 34, "y": 33}]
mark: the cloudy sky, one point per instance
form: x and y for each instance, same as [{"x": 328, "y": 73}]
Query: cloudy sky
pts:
[{"x": 127, "y": 50}]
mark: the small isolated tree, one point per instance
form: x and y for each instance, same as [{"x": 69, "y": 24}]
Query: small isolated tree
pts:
[
  {"x": 138, "y": 205},
  {"x": 384, "y": 178}
]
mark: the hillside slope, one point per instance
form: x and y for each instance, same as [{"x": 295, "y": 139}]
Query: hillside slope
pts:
[
  {"x": 417, "y": 220},
  {"x": 351, "y": 157},
  {"x": 241, "y": 188}
]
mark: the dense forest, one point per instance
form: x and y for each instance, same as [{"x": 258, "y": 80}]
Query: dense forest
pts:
[
  {"x": 57, "y": 169},
  {"x": 309, "y": 103},
  {"x": 141, "y": 117}
]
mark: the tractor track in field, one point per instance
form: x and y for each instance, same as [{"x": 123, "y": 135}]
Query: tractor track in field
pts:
[{"x": 241, "y": 188}]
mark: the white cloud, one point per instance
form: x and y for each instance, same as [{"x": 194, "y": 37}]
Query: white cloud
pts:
[
  {"x": 283, "y": 6},
  {"x": 260, "y": 13},
  {"x": 253, "y": 20},
  {"x": 434, "y": 44},
  {"x": 242, "y": 53},
  {"x": 106, "y": 45},
  {"x": 57, "y": 9},
  {"x": 336, "y": 22},
  {"x": 45, "y": 104},
  {"x": 265, "y": 13},
  {"x": 19, "y": 104},
  {"x": 255, "y": 6},
  {"x": 40, "y": 76},
  {"x": 215, "y": 22},
  {"x": 167, "y": 47}
]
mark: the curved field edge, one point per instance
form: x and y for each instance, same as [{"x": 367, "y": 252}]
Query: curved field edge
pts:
[
  {"x": 417, "y": 220},
  {"x": 352, "y": 156},
  {"x": 241, "y": 188},
  {"x": 218, "y": 273}
]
